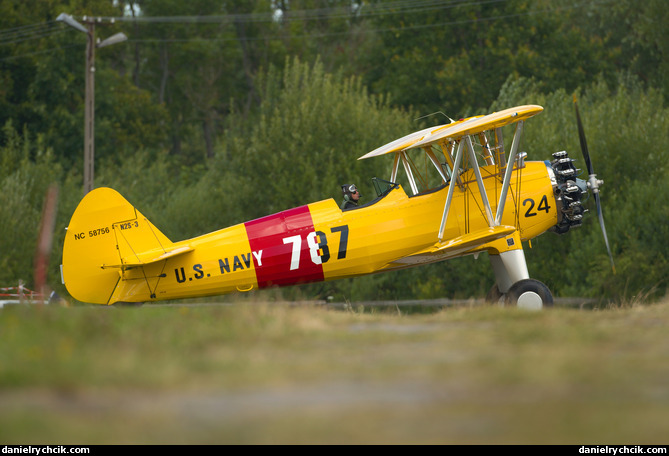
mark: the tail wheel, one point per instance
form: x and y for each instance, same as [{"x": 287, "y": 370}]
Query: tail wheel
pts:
[{"x": 529, "y": 294}]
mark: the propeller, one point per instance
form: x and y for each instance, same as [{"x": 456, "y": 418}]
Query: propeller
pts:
[{"x": 593, "y": 182}]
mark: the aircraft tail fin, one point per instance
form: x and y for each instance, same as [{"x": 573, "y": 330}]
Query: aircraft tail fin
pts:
[{"x": 105, "y": 237}]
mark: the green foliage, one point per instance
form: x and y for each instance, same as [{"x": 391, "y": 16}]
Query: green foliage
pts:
[
  {"x": 27, "y": 168},
  {"x": 315, "y": 128},
  {"x": 456, "y": 58},
  {"x": 151, "y": 182},
  {"x": 127, "y": 117},
  {"x": 43, "y": 63},
  {"x": 312, "y": 128},
  {"x": 634, "y": 33},
  {"x": 636, "y": 225}
]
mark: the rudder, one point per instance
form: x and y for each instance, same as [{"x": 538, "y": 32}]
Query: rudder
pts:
[{"x": 106, "y": 234}]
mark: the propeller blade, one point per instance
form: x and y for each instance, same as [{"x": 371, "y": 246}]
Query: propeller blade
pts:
[
  {"x": 601, "y": 223},
  {"x": 593, "y": 183},
  {"x": 581, "y": 137}
]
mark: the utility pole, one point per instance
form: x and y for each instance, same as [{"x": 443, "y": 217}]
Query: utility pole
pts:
[
  {"x": 89, "y": 110},
  {"x": 89, "y": 103}
]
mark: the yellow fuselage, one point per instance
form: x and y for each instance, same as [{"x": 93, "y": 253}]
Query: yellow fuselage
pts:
[{"x": 319, "y": 241}]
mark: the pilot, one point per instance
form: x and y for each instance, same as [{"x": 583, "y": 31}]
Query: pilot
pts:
[{"x": 351, "y": 196}]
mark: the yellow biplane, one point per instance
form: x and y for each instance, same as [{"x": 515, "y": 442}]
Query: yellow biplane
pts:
[{"x": 473, "y": 195}]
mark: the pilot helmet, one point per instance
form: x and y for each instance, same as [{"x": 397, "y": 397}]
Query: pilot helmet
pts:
[{"x": 348, "y": 190}]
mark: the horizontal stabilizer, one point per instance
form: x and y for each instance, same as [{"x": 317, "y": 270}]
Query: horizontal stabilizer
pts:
[{"x": 153, "y": 256}]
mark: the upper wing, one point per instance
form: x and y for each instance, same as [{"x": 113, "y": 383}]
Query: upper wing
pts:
[
  {"x": 454, "y": 130},
  {"x": 402, "y": 143},
  {"x": 475, "y": 125}
]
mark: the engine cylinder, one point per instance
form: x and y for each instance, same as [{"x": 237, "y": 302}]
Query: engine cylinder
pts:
[{"x": 569, "y": 192}]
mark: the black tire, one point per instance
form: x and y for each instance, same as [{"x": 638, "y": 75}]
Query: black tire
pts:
[
  {"x": 530, "y": 294},
  {"x": 494, "y": 295}
]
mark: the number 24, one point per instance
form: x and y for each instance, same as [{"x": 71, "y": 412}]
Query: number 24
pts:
[{"x": 543, "y": 206}]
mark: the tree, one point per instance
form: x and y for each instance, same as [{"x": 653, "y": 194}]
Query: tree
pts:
[
  {"x": 634, "y": 33},
  {"x": 455, "y": 57},
  {"x": 45, "y": 72}
]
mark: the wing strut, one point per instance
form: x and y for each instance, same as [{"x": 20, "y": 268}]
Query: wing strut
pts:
[
  {"x": 447, "y": 149},
  {"x": 492, "y": 222},
  {"x": 500, "y": 155},
  {"x": 407, "y": 168},
  {"x": 396, "y": 165},
  {"x": 454, "y": 174},
  {"x": 436, "y": 163},
  {"x": 507, "y": 173},
  {"x": 479, "y": 181}
]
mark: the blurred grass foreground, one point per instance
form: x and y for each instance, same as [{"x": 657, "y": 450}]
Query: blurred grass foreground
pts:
[{"x": 259, "y": 373}]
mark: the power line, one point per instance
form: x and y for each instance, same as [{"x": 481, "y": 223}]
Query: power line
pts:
[
  {"x": 41, "y": 30},
  {"x": 35, "y": 36},
  {"x": 45, "y": 51},
  {"x": 362, "y": 11},
  {"x": 23, "y": 28},
  {"x": 376, "y": 30},
  {"x": 28, "y": 32}
]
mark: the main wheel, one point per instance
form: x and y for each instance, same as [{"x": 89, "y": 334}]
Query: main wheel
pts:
[{"x": 529, "y": 294}]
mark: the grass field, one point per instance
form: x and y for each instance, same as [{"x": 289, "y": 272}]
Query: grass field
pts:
[{"x": 255, "y": 373}]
